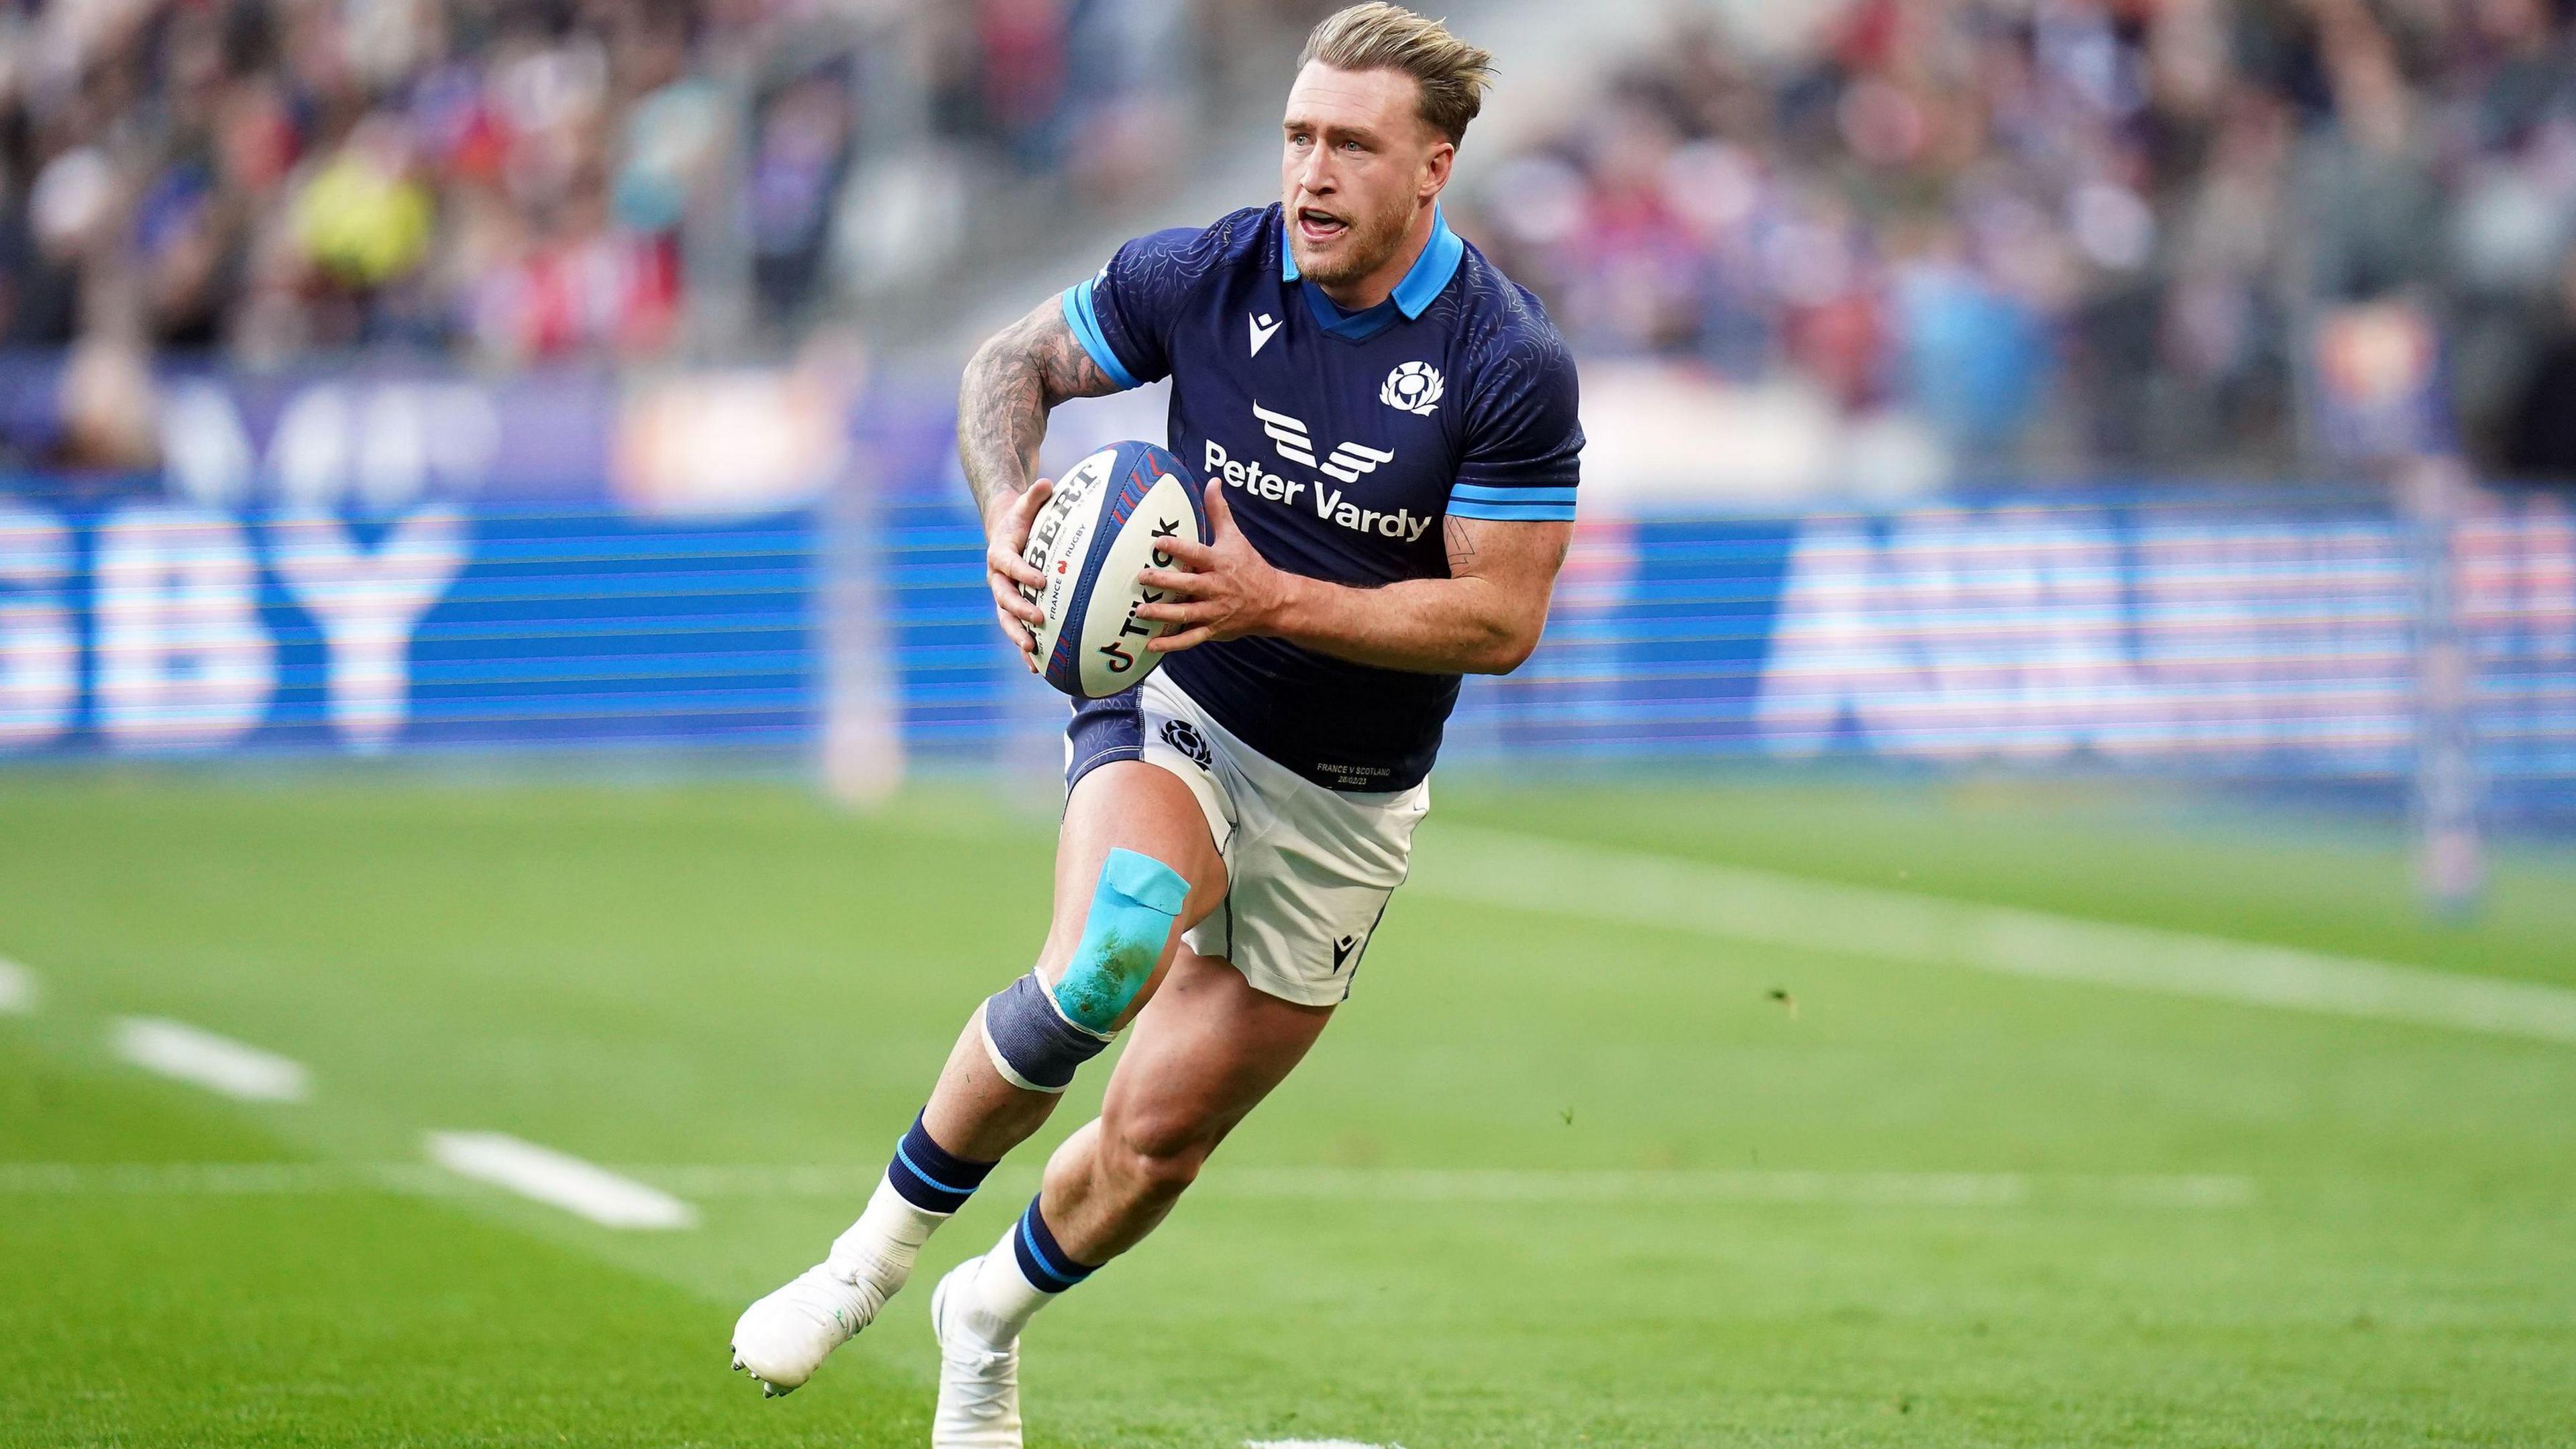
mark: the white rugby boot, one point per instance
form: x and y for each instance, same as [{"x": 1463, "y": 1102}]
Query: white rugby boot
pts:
[
  {"x": 979, "y": 1384},
  {"x": 784, "y": 1337}
]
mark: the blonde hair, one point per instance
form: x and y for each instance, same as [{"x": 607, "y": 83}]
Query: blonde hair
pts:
[{"x": 1452, "y": 74}]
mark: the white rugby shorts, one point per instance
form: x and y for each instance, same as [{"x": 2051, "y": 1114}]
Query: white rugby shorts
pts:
[{"x": 1308, "y": 870}]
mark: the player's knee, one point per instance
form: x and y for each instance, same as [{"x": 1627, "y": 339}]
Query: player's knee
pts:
[
  {"x": 1038, "y": 1035},
  {"x": 1133, "y": 905}
]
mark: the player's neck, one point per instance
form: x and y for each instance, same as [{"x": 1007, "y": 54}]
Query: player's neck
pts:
[{"x": 1378, "y": 285}]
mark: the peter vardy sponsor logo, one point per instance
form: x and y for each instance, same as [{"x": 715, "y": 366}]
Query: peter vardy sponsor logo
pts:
[
  {"x": 1347, "y": 461},
  {"x": 1248, "y": 475}
]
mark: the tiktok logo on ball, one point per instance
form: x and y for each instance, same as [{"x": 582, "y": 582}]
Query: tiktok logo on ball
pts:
[{"x": 1414, "y": 387}]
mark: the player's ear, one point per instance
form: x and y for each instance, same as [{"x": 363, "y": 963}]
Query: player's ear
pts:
[{"x": 1435, "y": 167}]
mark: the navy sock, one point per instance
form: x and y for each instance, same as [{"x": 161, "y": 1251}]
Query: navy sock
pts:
[
  {"x": 931, "y": 1178},
  {"x": 1043, "y": 1261}
]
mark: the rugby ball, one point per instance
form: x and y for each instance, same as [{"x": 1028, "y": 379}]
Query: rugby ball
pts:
[{"x": 1095, "y": 534}]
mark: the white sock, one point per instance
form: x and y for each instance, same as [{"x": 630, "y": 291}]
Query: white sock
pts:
[
  {"x": 1000, "y": 1299},
  {"x": 880, "y": 1248}
]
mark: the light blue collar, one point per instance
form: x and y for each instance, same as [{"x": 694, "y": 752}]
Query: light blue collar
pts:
[{"x": 1430, "y": 272}]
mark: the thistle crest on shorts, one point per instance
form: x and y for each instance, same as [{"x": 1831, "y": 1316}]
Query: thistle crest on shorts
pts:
[
  {"x": 1414, "y": 387},
  {"x": 1180, "y": 736}
]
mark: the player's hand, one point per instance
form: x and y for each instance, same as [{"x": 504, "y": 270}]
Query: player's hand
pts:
[
  {"x": 1221, "y": 589},
  {"x": 1006, "y": 534}
]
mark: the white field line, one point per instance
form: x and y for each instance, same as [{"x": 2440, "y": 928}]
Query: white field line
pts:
[
  {"x": 557, "y": 1180},
  {"x": 17, "y": 988},
  {"x": 1502, "y": 868},
  {"x": 217, "y": 1063},
  {"x": 1498, "y": 1186},
  {"x": 1314, "y": 1444}
]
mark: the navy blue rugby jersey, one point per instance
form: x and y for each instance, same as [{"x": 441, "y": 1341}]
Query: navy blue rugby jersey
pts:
[{"x": 1342, "y": 438}]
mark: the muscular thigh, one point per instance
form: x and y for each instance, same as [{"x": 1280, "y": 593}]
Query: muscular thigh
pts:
[
  {"x": 1203, "y": 1055},
  {"x": 1129, "y": 805}
]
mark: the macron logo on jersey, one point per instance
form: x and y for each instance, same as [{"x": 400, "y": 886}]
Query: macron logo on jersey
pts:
[
  {"x": 1263, "y": 328},
  {"x": 1347, "y": 461}
]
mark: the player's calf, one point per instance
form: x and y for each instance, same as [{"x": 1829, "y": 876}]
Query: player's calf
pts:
[{"x": 1136, "y": 1164}]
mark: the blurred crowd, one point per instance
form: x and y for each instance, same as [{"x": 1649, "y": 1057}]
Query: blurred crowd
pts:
[
  {"x": 2043, "y": 232},
  {"x": 2105, "y": 230},
  {"x": 524, "y": 179}
]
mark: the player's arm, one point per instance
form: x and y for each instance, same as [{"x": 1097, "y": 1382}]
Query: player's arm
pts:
[
  {"x": 1482, "y": 619},
  {"x": 1014, "y": 380}
]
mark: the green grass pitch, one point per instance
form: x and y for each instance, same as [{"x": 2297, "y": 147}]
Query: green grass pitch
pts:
[{"x": 709, "y": 985}]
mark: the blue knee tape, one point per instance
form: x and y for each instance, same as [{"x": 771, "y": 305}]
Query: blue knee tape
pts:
[
  {"x": 1132, "y": 910},
  {"x": 1038, "y": 1038}
]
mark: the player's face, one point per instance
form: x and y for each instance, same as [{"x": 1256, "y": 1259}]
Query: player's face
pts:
[{"x": 1358, "y": 165}]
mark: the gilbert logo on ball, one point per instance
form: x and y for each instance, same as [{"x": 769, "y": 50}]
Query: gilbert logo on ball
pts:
[{"x": 1092, "y": 538}]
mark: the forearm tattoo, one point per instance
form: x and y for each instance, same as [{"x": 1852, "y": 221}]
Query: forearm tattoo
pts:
[{"x": 1011, "y": 384}]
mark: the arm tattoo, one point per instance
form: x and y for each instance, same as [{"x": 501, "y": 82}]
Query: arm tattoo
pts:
[
  {"x": 1012, "y": 383},
  {"x": 1462, "y": 544}
]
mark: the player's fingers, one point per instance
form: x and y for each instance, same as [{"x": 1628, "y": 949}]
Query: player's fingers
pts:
[
  {"x": 1220, "y": 515},
  {"x": 1004, "y": 558},
  {"x": 1187, "y": 552},
  {"x": 1014, "y": 604},
  {"x": 1188, "y": 586},
  {"x": 1008, "y": 531},
  {"x": 1011, "y": 572},
  {"x": 1186, "y": 611},
  {"x": 1007, "y": 597},
  {"x": 1175, "y": 643},
  {"x": 1018, "y": 633}
]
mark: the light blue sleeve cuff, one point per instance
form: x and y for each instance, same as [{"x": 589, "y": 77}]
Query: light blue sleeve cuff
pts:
[
  {"x": 1512, "y": 505},
  {"x": 1085, "y": 321}
]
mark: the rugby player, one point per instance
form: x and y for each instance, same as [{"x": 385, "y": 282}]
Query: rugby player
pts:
[{"x": 1385, "y": 427}]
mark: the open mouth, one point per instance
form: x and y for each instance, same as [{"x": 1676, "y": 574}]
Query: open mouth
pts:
[{"x": 1319, "y": 226}]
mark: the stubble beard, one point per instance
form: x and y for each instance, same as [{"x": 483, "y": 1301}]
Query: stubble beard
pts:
[{"x": 1372, "y": 240}]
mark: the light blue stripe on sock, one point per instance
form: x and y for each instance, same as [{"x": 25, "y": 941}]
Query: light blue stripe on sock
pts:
[
  {"x": 926, "y": 1177},
  {"x": 1037, "y": 1255}
]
